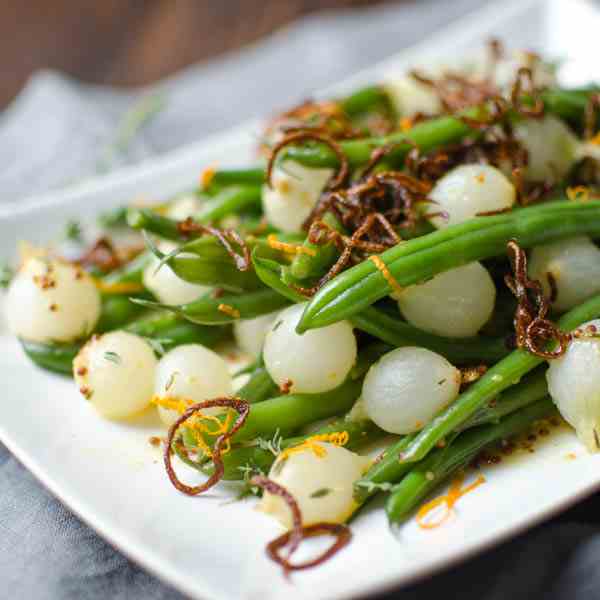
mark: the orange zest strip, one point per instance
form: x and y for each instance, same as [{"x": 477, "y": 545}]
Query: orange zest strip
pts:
[
  {"x": 454, "y": 494},
  {"x": 207, "y": 176},
  {"x": 179, "y": 405},
  {"x": 338, "y": 438},
  {"x": 386, "y": 273},
  {"x": 118, "y": 288},
  {"x": 406, "y": 123},
  {"x": 289, "y": 248},
  {"x": 578, "y": 193},
  {"x": 197, "y": 425},
  {"x": 229, "y": 310}
]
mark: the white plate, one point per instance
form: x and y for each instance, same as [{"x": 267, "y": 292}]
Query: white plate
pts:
[{"x": 114, "y": 480}]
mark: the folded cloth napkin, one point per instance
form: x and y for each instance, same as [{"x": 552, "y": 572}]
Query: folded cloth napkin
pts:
[{"x": 59, "y": 131}]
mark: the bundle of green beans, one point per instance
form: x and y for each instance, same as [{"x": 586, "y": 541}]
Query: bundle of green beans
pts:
[{"x": 507, "y": 399}]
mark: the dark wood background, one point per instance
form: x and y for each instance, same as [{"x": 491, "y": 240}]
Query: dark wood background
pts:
[{"x": 131, "y": 42}]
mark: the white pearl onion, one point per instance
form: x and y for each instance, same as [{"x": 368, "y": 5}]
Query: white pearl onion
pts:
[
  {"x": 166, "y": 286},
  {"x": 316, "y": 361},
  {"x": 321, "y": 485},
  {"x": 575, "y": 265},
  {"x": 191, "y": 372},
  {"x": 52, "y": 301},
  {"x": 468, "y": 190},
  {"x": 250, "y": 334},
  {"x": 574, "y": 384},
  {"x": 183, "y": 207},
  {"x": 295, "y": 192},
  {"x": 411, "y": 97},
  {"x": 115, "y": 372},
  {"x": 551, "y": 147},
  {"x": 407, "y": 387},
  {"x": 455, "y": 303}
]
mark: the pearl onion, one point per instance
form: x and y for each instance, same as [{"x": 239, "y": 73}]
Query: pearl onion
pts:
[
  {"x": 191, "y": 372},
  {"x": 575, "y": 265},
  {"x": 321, "y": 485},
  {"x": 407, "y": 387},
  {"x": 250, "y": 334},
  {"x": 52, "y": 301},
  {"x": 183, "y": 207},
  {"x": 456, "y": 303},
  {"x": 550, "y": 145},
  {"x": 470, "y": 189},
  {"x": 411, "y": 97},
  {"x": 574, "y": 384},
  {"x": 295, "y": 192},
  {"x": 166, "y": 286},
  {"x": 115, "y": 372},
  {"x": 316, "y": 361}
]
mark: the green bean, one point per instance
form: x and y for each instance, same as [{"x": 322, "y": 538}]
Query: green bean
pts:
[
  {"x": 291, "y": 411},
  {"x": 148, "y": 220},
  {"x": 501, "y": 376},
  {"x": 366, "y": 100},
  {"x": 116, "y": 311},
  {"x": 442, "y": 463},
  {"x": 322, "y": 256},
  {"x": 420, "y": 259},
  {"x": 532, "y": 388},
  {"x": 395, "y": 332},
  {"x": 212, "y": 272},
  {"x": 260, "y": 458},
  {"x": 211, "y": 310},
  {"x": 171, "y": 331},
  {"x": 259, "y": 387},
  {"x": 427, "y": 136},
  {"x": 231, "y": 200},
  {"x": 209, "y": 247},
  {"x": 226, "y": 177},
  {"x": 57, "y": 358}
]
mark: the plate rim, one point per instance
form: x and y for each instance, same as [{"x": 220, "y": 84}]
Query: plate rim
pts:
[{"x": 468, "y": 25}]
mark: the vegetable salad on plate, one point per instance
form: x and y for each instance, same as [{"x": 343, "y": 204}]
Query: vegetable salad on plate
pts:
[{"x": 413, "y": 265}]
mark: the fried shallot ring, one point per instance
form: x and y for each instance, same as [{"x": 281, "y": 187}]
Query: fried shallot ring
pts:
[
  {"x": 298, "y": 532},
  {"x": 300, "y": 136},
  {"x": 240, "y": 406}
]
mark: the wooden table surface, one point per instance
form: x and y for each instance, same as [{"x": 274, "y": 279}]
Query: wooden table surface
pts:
[{"x": 131, "y": 42}]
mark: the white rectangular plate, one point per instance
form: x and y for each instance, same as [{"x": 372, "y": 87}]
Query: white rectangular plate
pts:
[{"x": 114, "y": 480}]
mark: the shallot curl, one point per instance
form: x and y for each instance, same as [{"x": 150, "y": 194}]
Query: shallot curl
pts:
[
  {"x": 294, "y": 537},
  {"x": 301, "y": 136},
  {"x": 532, "y": 327},
  {"x": 240, "y": 406}
]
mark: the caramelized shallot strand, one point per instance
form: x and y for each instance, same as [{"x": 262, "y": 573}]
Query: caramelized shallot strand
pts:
[
  {"x": 240, "y": 406},
  {"x": 298, "y": 532},
  {"x": 300, "y": 136},
  {"x": 342, "y": 533},
  {"x": 242, "y": 261},
  {"x": 524, "y": 81},
  {"x": 533, "y": 330},
  {"x": 102, "y": 255}
]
